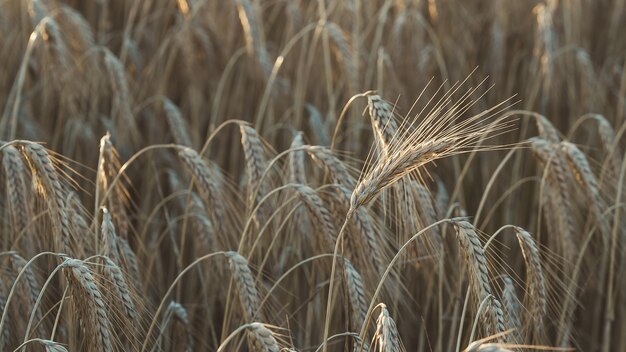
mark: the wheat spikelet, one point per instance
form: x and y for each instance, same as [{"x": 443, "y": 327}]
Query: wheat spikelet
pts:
[
  {"x": 383, "y": 123},
  {"x": 207, "y": 184},
  {"x": 120, "y": 287},
  {"x": 93, "y": 309},
  {"x": 118, "y": 199},
  {"x": 364, "y": 225},
  {"x": 546, "y": 129},
  {"x": 476, "y": 262},
  {"x": 338, "y": 36},
  {"x": 559, "y": 194},
  {"x": 176, "y": 316},
  {"x": 317, "y": 126},
  {"x": 480, "y": 346},
  {"x": 607, "y": 136},
  {"x": 296, "y": 161},
  {"x": 255, "y": 166},
  {"x": 512, "y": 306},
  {"x": 583, "y": 174},
  {"x": 386, "y": 336},
  {"x": 427, "y": 213},
  {"x": 54, "y": 193},
  {"x": 130, "y": 263},
  {"x": 356, "y": 295},
  {"x": 261, "y": 339},
  {"x": 122, "y": 112},
  {"x": 17, "y": 201},
  {"x": 336, "y": 168},
  {"x": 246, "y": 288},
  {"x": 254, "y": 35},
  {"x": 316, "y": 208},
  {"x": 536, "y": 300},
  {"x": 82, "y": 37},
  {"x": 55, "y": 46},
  {"x": 175, "y": 120}
]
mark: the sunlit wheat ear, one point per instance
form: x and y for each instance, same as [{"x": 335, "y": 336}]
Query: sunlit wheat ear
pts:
[
  {"x": 336, "y": 169},
  {"x": 584, "y": 176},
  {"x": 323, "y": 218},
  {"x": 207, "y": 184},
  {"x": 246, "y": 288},
  {"x": 16, "y": 192},
  {"x": 476, "y": 262},
  {"x": 109, "y": 237},
  {"x": 52, "y": 346},
  {"x": 118, "y": 199},
  {"x": 438, "y": 135},
  {"x": 47, "y": 176},
  {"x": 383, "y": 123},
  {"x": 559, "y": 194},
  {"x": 178, "y": 126},
  {"x": 479, "y": 346},
  {"x": 255, "y": 167},
  {"x": 296, "y": 161},
  {"x": 386, "y": 337},
  {"x": 536, "y": 300},
  {"x": 90, "y": 305},
  {"x": 261, "y": 339},
  {"x": 177, "y": 320}
]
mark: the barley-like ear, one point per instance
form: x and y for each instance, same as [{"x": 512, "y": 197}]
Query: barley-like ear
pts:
[
  {"x": 546, "y": 129},
  {"x": 261, "y": 339},
  {"x": 118, "y": 199},
  {"x": 580, "y": 166},
  {"x": 254, "y": 35},
  {"x": 364, "y": 224},
  {"x": 386, "y": 337},
  {"x": 336, "y": 169},
  {"x": 356, "y": 293},
  {"x": 443, "y": 199},
  {"x": 316, "y": 208},
  {"x": 611, "y": 148},
  {"x": 383, "y": 123},
  {"x": 17, "y": 201},
  {"x": 122, "y": 101},
  {"x": 320, "y": 133},
  {"x": 177, "y": 123},
  {"x": 246, "y": 288},
  {"x": 559, "y": 194},
  {"x": 512, "y": 307},
  {"x": 480, "y": 346},
  {"x": 339, "y": 38},
  {"x": 536, "y": 300},
  {"x": 177, "y": 319},
  {"x": 476, "y": 262},
  {"x": 90, "y": 305},
  {"x": 207, "y": 184},
  {"x": 255, "y": 167},
  {"x": 296, "y": 161},
  {"x": 54, "y": 194},
  {"x": 119, "y": 287}
]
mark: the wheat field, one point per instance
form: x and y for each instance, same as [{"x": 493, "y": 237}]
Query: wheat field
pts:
[{"x": 314, "y": 176}]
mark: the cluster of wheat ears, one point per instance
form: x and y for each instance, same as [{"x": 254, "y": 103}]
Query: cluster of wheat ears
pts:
[{"x": 295, "y": 175}]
